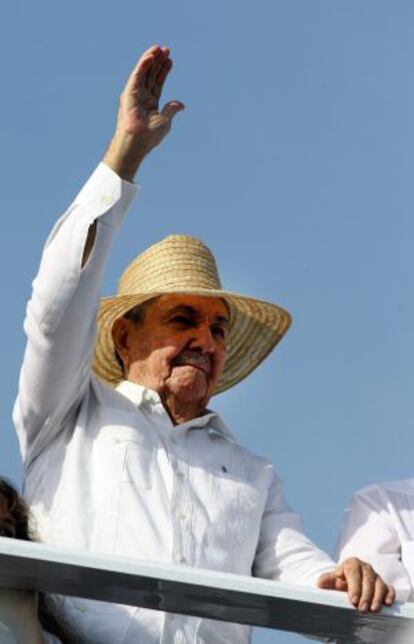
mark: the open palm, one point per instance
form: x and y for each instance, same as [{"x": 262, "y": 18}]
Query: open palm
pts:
[
  {"x": 139, "y": 115},
  {"x": 141, "y": 126}
]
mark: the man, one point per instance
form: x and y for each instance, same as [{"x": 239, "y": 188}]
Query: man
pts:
[
  {"x": 142, "y": 468},
  {"x": 379, "y": 526}
]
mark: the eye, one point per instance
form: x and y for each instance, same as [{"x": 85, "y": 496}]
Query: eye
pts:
[
  {"x": 182, "y": 320},
  {"x": 219, "y": 332}
]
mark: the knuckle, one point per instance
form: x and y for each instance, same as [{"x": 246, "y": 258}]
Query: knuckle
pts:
[
  {"x": 351, "y": 564},
  {"x": 368, "y": 569}
]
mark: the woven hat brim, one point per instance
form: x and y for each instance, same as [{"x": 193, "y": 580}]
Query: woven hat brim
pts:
[{"x": 256, "y": 327}]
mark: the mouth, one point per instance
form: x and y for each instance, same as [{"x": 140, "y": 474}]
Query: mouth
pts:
[{"x": 201, "y": 361}]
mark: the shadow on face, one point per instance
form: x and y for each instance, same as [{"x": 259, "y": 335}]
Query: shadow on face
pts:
[{"x": 173, "y": 331}]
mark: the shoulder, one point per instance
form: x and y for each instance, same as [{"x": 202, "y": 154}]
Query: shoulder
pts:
[
  {"x": 108, "y": 397},
  {"x": 384, "y": 495}
]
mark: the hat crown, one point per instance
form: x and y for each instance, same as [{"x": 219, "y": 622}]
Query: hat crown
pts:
[{"x": 178, "y": 262}]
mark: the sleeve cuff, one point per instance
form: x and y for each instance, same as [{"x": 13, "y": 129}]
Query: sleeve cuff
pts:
[{"x": 103, "y": 190}]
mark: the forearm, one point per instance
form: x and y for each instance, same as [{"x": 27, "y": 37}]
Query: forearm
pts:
[
  {"x": 284, "y": 552},
  {"x": 124, "y": 156}
]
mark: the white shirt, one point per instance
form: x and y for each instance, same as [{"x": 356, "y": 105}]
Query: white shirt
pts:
[
  {"x": 379, "y": 528},
  {"x": 105, "y": 469}
]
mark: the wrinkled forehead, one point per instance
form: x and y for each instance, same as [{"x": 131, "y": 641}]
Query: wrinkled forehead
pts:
[{"x": 215, "y": 307}]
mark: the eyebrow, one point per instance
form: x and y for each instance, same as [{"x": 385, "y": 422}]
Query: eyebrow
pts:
[{"x": 191, "y": 311}]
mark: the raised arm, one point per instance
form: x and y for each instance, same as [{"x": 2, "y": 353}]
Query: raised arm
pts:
[{"x": 60, "y": 320}]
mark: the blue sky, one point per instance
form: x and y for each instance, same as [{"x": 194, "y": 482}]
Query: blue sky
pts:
[{"x": 293, "y": 161}]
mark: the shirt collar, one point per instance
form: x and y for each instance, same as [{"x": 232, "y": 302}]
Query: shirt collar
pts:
[{"x": 139, "y": 395}]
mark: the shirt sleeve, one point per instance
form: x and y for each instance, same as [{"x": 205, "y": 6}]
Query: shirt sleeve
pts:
[
  {"x": 368, "y": 533},
  {"x": 60, "y": 317},
  {"x": 284, "y": 553}
]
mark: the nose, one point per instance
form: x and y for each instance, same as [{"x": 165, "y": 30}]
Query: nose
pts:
[{"x": 203, "y": 339}]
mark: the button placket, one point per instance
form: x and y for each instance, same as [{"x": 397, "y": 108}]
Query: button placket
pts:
[{"x": 180, "y": 510}]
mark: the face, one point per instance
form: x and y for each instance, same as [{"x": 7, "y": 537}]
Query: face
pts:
[
  {"x": 7, "y": 521},
  {"x": 178, "y": 350}
]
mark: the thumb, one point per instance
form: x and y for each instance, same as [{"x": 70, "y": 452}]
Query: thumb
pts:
[
  {"x": 327, "y": 580},
  {"x": 333, "y": 580},
  {"x": 171, "y": 109}
]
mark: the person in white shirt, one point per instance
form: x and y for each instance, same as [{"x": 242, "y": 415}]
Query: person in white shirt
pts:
[
  {"x": 126, "y": 458},
  {"x": 379, "y": 527}
]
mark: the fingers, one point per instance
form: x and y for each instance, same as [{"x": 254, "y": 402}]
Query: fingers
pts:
[
  {"x": 327, "y": 581},
  {"x": 142, "y": 68},
  {"x": 369, "y": 586},
  {"x": 366, "y": 589},
  {"x": 162, "y": 75},
  {"x": 390, "y": 596},
  {"x": 351, "y": 575},
  {"x": 150, "y": 72},
  {"x": 383, "y": 594},
  {"x": 161, "y": 56},
  {"x": 171, "y": 109}
]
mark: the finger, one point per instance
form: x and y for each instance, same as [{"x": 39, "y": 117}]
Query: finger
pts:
[
  {"x": 332, "y": 580},
  {"x": 162, "y": 75},
  {"x": 369, "y": 580},
  {"x": 172, "y": 108},
  {"x": 139, "y": 73},
  {"x": 327, "y": 580},
  {"x": 380, "y": 593},
  {"x": 352, "y": 574},
  {"x": 160, "y": 57},
  {"x": 390, "y": 596}
]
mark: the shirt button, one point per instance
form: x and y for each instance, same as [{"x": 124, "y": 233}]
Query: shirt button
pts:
[{"x": 107, "y": 201}]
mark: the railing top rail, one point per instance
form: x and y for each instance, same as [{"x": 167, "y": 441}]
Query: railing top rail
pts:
[{"x": 193, "y": 591}]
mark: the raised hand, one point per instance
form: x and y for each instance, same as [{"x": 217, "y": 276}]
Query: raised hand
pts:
[{"x": 141, "y": 126}]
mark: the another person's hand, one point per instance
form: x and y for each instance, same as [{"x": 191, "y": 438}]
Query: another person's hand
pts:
[
  {"x": 366, "y": 590},
  {"x": 141, "y": 125}
]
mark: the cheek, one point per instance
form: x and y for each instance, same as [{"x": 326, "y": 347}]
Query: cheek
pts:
[
  {"x": 160, "y": 363},
  {"x": 220, "y": 359}
]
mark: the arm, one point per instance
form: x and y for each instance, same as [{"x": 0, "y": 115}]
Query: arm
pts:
[
  {"x": 286, "y": 554},
  {"x": 369, "y": 533},
  {"x": 60, "y": 320}
]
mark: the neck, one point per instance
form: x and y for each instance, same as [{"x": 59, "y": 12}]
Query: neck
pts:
[{"x": 182, "y": 411}]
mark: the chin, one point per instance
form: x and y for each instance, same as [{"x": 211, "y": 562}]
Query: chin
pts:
[{"x": 190, "y": 389}]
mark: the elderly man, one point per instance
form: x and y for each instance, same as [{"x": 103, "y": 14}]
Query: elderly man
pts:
[{"x": 129, "y": 459}]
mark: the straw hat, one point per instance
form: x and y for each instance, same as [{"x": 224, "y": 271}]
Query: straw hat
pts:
[{"x": 183, "y": 264}]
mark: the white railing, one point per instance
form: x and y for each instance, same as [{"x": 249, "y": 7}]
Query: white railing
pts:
[{"x": 205, "y": 593}]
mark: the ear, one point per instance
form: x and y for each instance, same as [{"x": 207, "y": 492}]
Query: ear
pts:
[{"x": 120, "y": 337}]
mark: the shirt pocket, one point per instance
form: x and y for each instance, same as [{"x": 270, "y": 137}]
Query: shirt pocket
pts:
[
  {"x": 137, "y": 463},
  {"x": 130, "y": 450}
]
